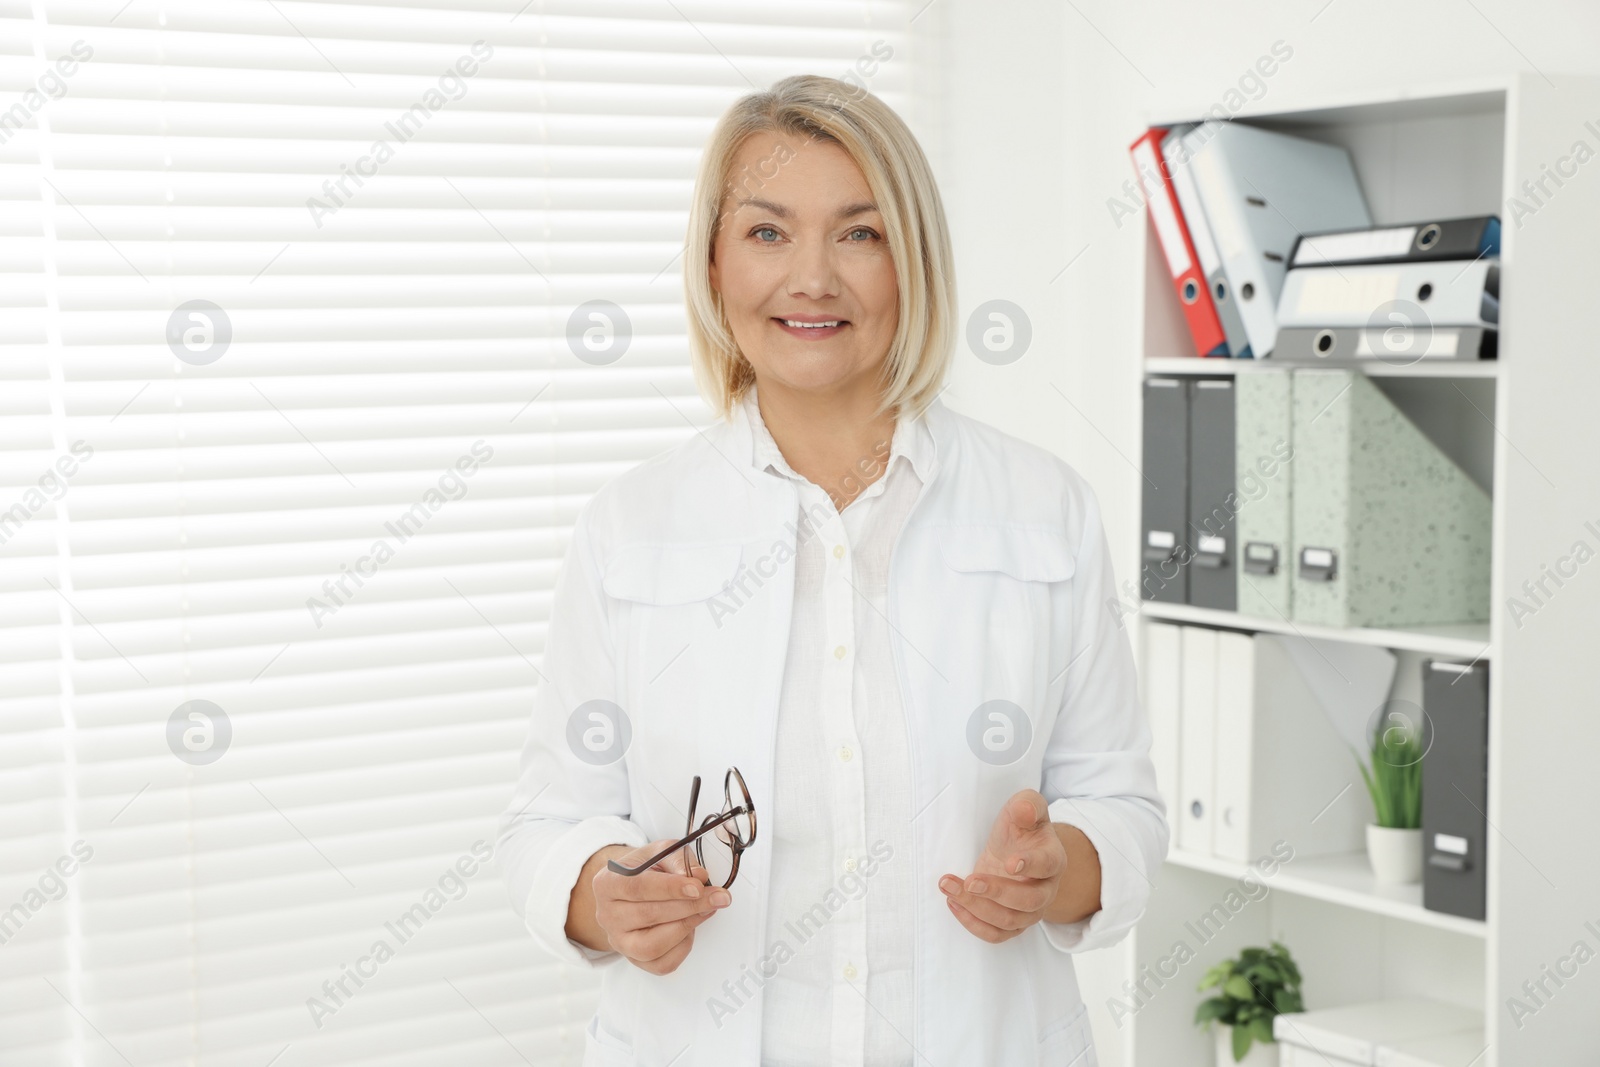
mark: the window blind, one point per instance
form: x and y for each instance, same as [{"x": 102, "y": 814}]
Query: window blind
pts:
[{"x": 295, "y": 415}]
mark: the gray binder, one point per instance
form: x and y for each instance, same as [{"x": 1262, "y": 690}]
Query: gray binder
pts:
[
  {"x": 1455, "y": 787},
  {"x": 1166, "y": 490},
  {"x": 1213, "y": 499},
  {"x": 1264, "y": 457}
]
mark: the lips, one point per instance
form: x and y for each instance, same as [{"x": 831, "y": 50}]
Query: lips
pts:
[{"x": 811, "y": 328}]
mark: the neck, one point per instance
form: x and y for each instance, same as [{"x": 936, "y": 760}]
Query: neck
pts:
[{"x": 831, "y": 439}]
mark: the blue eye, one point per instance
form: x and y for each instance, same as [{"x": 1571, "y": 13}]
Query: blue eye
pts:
[
  {"x": 764, "y": 229},
  {"x": 862, "y": 229}
]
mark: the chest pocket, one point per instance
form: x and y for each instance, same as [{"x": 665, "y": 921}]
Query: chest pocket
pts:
[
  {"x": 1031, "y": 554},
  {"x": 1008, "y": 597},
  {"x": 675, "y": 610}
]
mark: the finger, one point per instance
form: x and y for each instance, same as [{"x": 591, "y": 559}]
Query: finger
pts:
[
  {"x": 668, "y": 961},
  {"x": 650, "y": 885},
  {"x": 997, "y": 914},
  {"x": 985, "y": 908},
  {"x": 1019, "y": 894},
  {"x": 976, "y": 926},
  {"x": 653, "y": 942},
  {"x": 1027, "y": 809},
  {"x": 1047, "y": 859},
  {"x": 638, "y": 914}
]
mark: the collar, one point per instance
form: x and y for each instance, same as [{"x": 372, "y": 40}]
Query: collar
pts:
[{"x": 913, "y": 438}]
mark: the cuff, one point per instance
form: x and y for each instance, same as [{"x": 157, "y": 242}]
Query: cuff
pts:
[
  {"x": 1124, "y": 883},
  {"x": 553, "y": 880}
]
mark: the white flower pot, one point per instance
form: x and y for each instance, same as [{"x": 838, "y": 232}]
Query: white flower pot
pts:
[
  {"x": 1259, "y": 1055},
  {"x": 1395, "y": 855}
]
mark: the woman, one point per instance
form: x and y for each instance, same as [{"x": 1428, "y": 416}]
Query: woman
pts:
[{"x": 891, "y": 619}]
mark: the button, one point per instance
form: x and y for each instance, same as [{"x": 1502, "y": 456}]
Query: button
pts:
[
  {"x": 849, "y": 971},
  {"x": 838, "y": 653},
  {"x": 838, "y": 552},
  {"x": 845, "y": 753},
  {"x": 850, "y": 864}
]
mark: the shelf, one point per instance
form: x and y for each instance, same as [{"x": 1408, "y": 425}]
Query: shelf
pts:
[
  {"x": 1448, "y": 368},
  {"x": 1343, "y": 879},
  {"x": 1371, "y": 104},
  {"x": 1466, "y": 640}
]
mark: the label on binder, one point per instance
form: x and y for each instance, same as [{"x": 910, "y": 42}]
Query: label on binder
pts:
[{"x": 1363, "y": 244}]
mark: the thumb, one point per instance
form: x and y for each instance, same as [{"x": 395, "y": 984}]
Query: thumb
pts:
[{"x": 1026, "y": 810}]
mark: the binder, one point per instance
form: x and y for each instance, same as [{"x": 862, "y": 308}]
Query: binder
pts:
[
  {"x": 1162, "y": 679},
  {"x": 1445, "y": 293},
  {"x": 1166, "y": 490},
  {"x": 1182, "y": 262},
  {"x": 1455, "y": 787},
  {"x": 1388, "y": 342},
  {"x": 1282, "y": 769},
  {"x": 1356, "y": 1032},
  {"x": 1197, "y": 730},
  {"x": 1263, "y": 460},
  {"x": 1387, "y": 530},
  {"x": 1205, "y": 248},
  {"x": 1260, "y": 191},
  {"x": 1468, "y": 238},
  {"x": 1213, "y": 500}
]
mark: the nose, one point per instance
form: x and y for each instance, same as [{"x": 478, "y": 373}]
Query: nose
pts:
[{"x": 813, "y": 272}]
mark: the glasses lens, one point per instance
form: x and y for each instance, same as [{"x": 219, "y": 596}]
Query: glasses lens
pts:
[
  {"x": 716, "y": 854},
  {"x": 739, "y": 827},
  {"x": 737, "y": 795}
]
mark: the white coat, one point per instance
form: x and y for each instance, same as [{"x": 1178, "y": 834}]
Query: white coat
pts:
[{"x": 674, "y": 606}]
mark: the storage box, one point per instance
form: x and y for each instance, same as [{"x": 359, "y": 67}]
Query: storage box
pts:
[
  {"x": 1454, "y": 1050},
  {"x": 1354, "y": 1034}
]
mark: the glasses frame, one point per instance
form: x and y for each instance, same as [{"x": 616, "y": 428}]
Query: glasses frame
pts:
[{"x": 694, "y": 835}]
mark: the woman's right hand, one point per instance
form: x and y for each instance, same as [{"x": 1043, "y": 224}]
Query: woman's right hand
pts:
[{"x": 650, "y": 918}]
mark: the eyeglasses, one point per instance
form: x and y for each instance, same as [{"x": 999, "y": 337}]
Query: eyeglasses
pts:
[{"x": 718, "y": 842}]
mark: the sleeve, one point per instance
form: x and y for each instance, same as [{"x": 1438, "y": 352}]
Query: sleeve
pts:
[
  {"x": 571, "y": 797},
  {"x": 1098, "y": 775}
]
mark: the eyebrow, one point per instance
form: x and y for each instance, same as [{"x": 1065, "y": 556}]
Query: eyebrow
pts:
[{"x": 849, "y": 211}]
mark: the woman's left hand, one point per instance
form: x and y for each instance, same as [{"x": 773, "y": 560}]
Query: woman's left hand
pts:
[{"x": 1016, "y": 878}]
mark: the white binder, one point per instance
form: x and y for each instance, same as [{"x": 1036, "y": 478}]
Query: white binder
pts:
[
  {"x": 1205, "y": 249},
  {"x": 1283, "y": 769},
  {"x": 1261, "y": 190},
  {"x": 1162, "y": 669},
  {"x": 1237, "y": 740},
  {"x": 1196, "y": 760},
  {"x": 1444, "y": 292}
]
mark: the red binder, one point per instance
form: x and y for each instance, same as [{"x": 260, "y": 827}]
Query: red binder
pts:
[{"x": 1188, "y": 280}]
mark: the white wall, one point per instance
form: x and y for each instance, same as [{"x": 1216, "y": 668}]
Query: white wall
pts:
[{"x": 1039, "y": 101}]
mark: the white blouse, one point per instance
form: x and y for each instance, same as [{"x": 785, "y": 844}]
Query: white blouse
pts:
[{"x": 841, "y": 890}]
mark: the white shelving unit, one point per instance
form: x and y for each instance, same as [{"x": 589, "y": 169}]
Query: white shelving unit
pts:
[
  {"x": 1343, "y": 879},
  {"x": 1520, "y": 425}
]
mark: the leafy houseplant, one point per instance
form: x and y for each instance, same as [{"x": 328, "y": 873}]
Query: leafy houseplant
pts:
[
  {"x": 1395, "y": 780},
  {"x": 1253, "y": 989},
  {"x": 1394, "y": 841}
]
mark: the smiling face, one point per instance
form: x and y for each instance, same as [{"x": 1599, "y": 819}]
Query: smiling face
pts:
[{"x": 805, "y": 246}]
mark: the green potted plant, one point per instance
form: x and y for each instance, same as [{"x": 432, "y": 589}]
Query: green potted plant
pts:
[
  {"x": 1252, "y": 991},
  {"x": 1394, "y": 781}
]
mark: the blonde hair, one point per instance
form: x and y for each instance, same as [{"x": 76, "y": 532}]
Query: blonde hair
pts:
[{"x": 902, "y": 186}]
